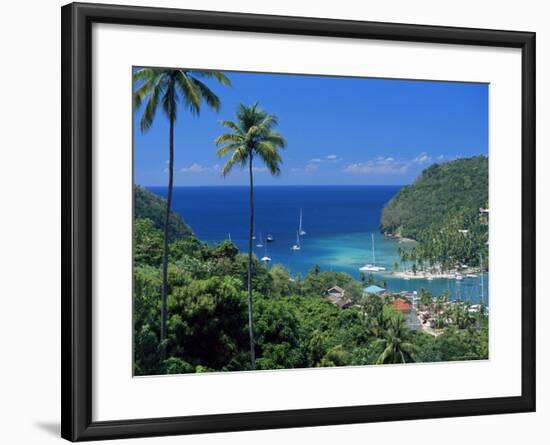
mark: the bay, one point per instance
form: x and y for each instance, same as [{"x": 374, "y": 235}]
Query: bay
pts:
[{"x": 339, "y": 222}]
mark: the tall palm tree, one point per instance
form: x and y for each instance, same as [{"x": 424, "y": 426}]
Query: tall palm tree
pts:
[
  {"x": 251, "y": 136},
  {"x": 395, "y": 345},
  {"x": 167, "y": 88}
]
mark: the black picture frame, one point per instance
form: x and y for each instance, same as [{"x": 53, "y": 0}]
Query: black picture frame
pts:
[{"x": 76, "y": 249}]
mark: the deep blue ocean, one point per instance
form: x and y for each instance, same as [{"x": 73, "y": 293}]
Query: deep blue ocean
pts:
[{"x": 338, "y": 221}]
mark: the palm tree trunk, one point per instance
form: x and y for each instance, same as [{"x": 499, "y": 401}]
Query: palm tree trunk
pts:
[
  {"x": 164, "y": 292},
  {"x": 251, "y": 233}
]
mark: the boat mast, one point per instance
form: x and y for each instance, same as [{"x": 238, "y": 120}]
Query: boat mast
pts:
[
  {"x": 300, "y": 228},
  {"x": 372, "y": 243}
]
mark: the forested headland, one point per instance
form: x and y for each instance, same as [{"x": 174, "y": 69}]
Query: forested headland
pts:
[{"x": 441, "y": 210}]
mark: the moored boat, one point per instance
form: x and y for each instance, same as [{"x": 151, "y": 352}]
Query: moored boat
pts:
[
  {"x": 261, "y": 243},
  {"x": 296, "y": 246},
  {"x": 372, "y": 267}
]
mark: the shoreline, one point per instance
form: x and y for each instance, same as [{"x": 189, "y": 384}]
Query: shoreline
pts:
[
  {"x": 424, "y": 275},
  {"x": 399, "y": 238}
]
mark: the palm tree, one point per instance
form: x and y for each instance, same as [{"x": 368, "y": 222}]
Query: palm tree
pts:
[
  {"x": 251, "y": 136},
  {"x": 425, "y": 298},
  {"x": 167, "y": 88},
  {"x": 395, "y": 345}
]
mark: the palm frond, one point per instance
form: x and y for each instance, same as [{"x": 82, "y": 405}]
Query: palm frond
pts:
[
  {"x": 233, "y": 126},
  {"x": 151, "y": 87},
  {"x": 229, "y": 137},
  {"x": 190, "y": 94},
  {"x": 276, "y": 139},
  {"x": 268, "y": 122},
  {"x": 140, "y": 93},
  {"x": 218, "y": 75},
  {"x": 207, "y": 94},
  {"x": 240, "y": 156},
  {"x": 150, "y": 110},
  {"x": 222, "y": 151},
  {"x": 385, "y": 355},
  {"x": 144, "y": 74},
  {"x": 270, "y": 156}
]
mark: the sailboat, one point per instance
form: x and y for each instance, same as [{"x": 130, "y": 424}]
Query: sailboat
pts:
[
  {"x": 261, "y": 243},
  {"x": 270, "y": 238},
  {"x": 301, "y": 231},
  {"x": 372, "y": 267},
  {"x": 254, "y": 232},
  {"x": 265, "y": 258},
  {"x": 297, "y": 245}
]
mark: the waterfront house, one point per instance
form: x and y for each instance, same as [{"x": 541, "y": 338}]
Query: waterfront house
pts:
[{"x": 337, "y": 296}]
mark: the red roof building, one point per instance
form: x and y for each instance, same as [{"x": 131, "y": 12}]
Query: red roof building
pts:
[{"x": 401, "y": 305}]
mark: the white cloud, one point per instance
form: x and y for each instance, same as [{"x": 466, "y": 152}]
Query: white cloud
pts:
[
  {"x": 311, "y": 168},
  {"x": 194, "y": 168},
  {"x": 200, "y": 168},
  {"x": 386, "y": 165},
  {"x": 422, "y": 158},
  {"x": 377, "y": 167},
  {"x": 327, "y": 158}
]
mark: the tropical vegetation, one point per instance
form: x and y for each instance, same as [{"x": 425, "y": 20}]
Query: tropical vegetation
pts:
[
  {"x": 169, "y": 89},
  {"x": 295, "y": 326}
]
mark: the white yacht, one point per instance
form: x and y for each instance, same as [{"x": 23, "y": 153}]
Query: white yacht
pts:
[
  {"x": 265, "y": 258},
  {"x": 372, "y": 267},
  {"x": 296, "y": 246},
  {"x": 261, "y": 243}
]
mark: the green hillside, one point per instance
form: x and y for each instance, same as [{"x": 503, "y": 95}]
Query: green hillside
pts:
[
  {"x": 147, "y": 205},
  {"x": 439, "y": 207}
]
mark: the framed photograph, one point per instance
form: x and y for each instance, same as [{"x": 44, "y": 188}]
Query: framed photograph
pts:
[{"x": 275, "y": 222}]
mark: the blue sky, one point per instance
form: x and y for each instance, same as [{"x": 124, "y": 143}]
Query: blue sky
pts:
[{"x": 341, "y": 131}]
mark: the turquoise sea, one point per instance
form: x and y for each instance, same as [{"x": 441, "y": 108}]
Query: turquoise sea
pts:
[{"x": 339, "y": 222}]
